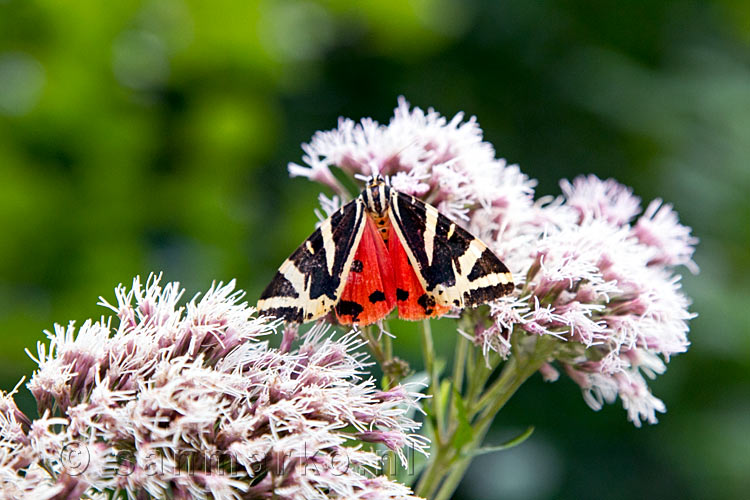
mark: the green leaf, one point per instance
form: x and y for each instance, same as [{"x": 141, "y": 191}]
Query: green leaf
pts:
[
  {"x": 440, "y": 365},
  {"x": 511, "y": 443},
  {"x": 445, "y": 389},
  {"x": 464, "y": 432}
]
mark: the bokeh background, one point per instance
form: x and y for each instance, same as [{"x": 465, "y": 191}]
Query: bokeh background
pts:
[{"x": 154, "y": 136}]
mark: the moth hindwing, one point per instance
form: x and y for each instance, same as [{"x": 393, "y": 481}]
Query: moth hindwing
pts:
[
  {"x": 454, "y": 267},
  {"x": 309, "y": 283}
]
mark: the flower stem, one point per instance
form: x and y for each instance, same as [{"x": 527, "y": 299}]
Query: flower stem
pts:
[
  {"x": 428, "y": 351},
  {"x": 457, "y": 470},
  {"x": 374, "y": 344},
  {"x": 516, "y": 371},
  {"x": 448, "y": 465},
  {"x": 459, "y": 363}
]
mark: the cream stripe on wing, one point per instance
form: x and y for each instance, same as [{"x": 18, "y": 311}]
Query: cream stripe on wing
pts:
[
  {"x": 429, "y": 232},
  {"x": 471, "y": 256},
  {"x": 290, "y": 272},
  {"x": 328, "y": 244},
  {"x": 360, "y": 216},
  {"x": 466, "y": 263},
  {"x": 394, "y": 214},
  {"x": 451, "y": 230}
]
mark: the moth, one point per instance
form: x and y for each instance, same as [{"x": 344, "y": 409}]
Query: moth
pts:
[{"x": 385, "y": 249}]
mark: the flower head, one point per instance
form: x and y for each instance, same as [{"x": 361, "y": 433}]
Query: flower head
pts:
[
  {"x": 191, "y": 402},
  {"x": 604, "y": 286},
  {"x": 427, "y": 155}
]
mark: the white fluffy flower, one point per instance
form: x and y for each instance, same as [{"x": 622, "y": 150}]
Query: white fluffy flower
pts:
[
  {"x": 427, "y": 155},
  {"x": 191, "y": 402},
  {"x": 591, "y": 197},
  {"x": 607, "y": 286}
]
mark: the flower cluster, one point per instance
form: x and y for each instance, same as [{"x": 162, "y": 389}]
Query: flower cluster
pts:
[
  {"x": 445, "y": 162},
  {"x": 589, "y": 271},
  {"x": 192, "y": 402}
]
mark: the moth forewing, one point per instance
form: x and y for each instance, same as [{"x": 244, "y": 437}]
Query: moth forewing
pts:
[
  {"x": 398, "y": 227},
  {"x": 309, "y": 283},
  {"x": 415, "y": 224},
  {"x": 453, "y": 266}
]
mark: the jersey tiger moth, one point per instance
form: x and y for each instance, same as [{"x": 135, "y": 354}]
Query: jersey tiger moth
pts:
[{"x": 382, "y": 250}]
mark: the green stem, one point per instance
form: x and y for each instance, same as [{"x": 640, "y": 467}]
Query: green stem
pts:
[
  {"x": 388, "y": 344},
  {"x": 388, "y": 382},
  {"x": 459, "y": 367},
  {"x": 428, "y": 351},
  {"x": 494, "y": 391},
  {"x": 455, "y": 467},
  {"x": 514, "y": 374},
  {"x": 480, "y": 373},
  {"x": 430, "y": 479},
  {"x": 375, "y": 347},
  {"x": 459, "y": 363},
  {"x": 381, "y": 355}
]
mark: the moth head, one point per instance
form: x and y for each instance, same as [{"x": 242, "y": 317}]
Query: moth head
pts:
[
  {"x": 375, "y": 179},
  {"x": 376, "y": 195}
]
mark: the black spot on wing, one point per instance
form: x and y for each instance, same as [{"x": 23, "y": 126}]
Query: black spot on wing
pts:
[
  {"x": 357, "y": 266},
  {"x": 377, "y": 296},
  {"x": 427, "y": 302},
  {"x": 291, "y": 314},
  {"x": 402, "y": 294},
  {"x": 486, "y": 294},
  {"x": 279, "y": 287},
  {"x": 487, "y": 264},
  {"x": 345, "y": 225},
  {"x": 349, "y": 308}
]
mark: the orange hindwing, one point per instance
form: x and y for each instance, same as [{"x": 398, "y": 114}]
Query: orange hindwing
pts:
[
  {"x": 413, "y": 303},
  {"x": 370, "y": 291}
]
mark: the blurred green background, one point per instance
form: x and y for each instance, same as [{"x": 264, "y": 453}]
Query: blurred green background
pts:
[{"x": 154, "y": 136}]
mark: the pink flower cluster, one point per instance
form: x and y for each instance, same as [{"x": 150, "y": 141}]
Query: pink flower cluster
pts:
[
  {"x": 588, "y": 270},
  {"x": 192, "y": 402},
  {"x": 607, "y": 288}
]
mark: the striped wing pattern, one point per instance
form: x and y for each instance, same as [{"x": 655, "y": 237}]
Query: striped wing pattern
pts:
[
  {"x": 455, "y": 268},
  {"x": 308, "y": 284},
  {"x": 427, "y": 266}
]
